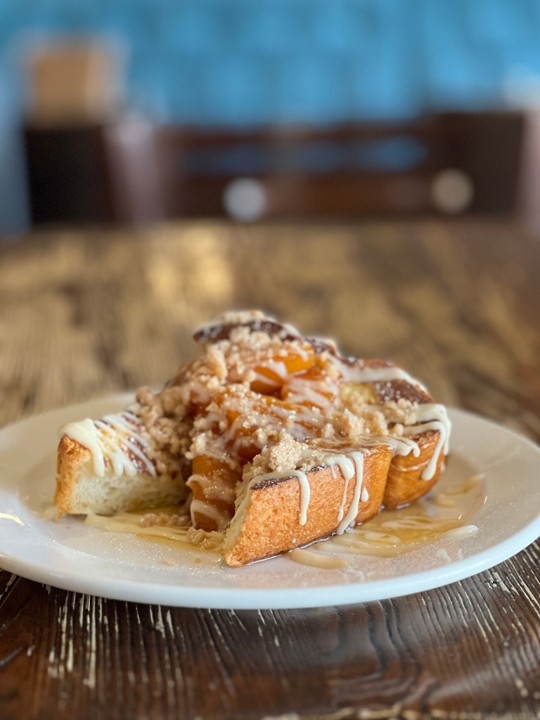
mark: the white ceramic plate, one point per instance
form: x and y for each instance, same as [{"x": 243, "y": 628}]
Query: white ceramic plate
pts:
[{"x": 70, "y": 555}]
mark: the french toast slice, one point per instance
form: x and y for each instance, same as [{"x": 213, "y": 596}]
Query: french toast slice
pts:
[
  {"x": 267, "y": 522},
  {"x": 275, "y": 439},
  {"x": 105, "y": 467}
]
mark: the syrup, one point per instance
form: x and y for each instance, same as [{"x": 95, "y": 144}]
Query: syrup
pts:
[
  {"x": 447, "y": 511},
  {"x": 133, "y": 522}
]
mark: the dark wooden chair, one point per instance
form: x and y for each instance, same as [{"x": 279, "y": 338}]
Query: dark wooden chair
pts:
[
  {"x": 451, "y": 163},
  {"x": 128, "y": 172},
  {"x": 93, "y": 173}
]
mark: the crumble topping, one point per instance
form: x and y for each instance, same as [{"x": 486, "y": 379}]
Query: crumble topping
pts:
[
  {"x": 164, "y": 519},
  {"x": 258, "y": 401},
  {"x": 285, "y": 455},
  {"x": 206, "y": 540}
]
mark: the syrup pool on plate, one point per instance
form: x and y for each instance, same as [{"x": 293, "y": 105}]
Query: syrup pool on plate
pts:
[{"x": 447, "y": 511}]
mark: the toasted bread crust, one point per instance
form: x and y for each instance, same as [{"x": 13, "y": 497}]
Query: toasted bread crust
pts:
[
  {"x": 405, "y": 483},
  {"x": 270, "y": 522},
  {"x": 73, "y": 459}
]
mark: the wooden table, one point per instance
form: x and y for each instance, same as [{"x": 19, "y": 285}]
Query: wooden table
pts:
[{"x": 85, "y": 314}]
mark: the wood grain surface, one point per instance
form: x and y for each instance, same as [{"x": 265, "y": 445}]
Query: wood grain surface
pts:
[{"x": 85, "y": 314}]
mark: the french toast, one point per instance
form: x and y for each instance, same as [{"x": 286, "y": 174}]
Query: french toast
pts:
[{"x": 273, "y": 440}]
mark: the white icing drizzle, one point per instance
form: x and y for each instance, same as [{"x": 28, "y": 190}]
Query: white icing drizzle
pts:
[
  {"x": 431, "y": 416},
  {"x": 305, "y": 494},
  {"x": 399, "y": 445},
  {"x": 347, "y": 468},
  {"x": 357, "y": 458},
  {"x": 301, "y": 391},
  {"x": 351, "y": 463},
  {"x": 378, "y": 374},
  {"x": 115, "y": 439},
  {"x": 220, "y": 517},
  {"x": 123, "y": 424},
  {"x": 277, "y": 367},
  {"x": 86, "y": 433}
]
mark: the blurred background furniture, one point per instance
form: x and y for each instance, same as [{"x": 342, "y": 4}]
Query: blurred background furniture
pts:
[
  {"x": 314, "y": 82},
  {"x": 443, "y": 164},
  {"x": 72, "y": 81},
  {"x": 128, "y": 171},
  {"x": 105, "y": 173}
]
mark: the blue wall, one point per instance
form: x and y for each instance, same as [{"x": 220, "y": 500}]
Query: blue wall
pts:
[
  {"x": 257, "y": 61},
  {"x": 246, "y": 62}
]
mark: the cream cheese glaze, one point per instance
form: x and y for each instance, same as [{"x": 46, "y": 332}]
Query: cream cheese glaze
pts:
[
  {"x": 428, "y": 417},
  {"x": 115, "y": 439},
  {"x": 382, "y": 374},
  {"x": 351, "y": 465},
  {"x": 357, "y": 471}
]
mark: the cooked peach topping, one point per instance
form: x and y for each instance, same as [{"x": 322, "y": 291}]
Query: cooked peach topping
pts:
[
  {"x": 288, "y": 387},
  {"x": 271, "y": 373},
  {"x": 213, "y": 483}
]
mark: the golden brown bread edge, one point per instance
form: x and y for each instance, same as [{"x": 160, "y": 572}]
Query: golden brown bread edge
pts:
[
  {"x": 270, "y": 520},
  {"x": 72, "y": 457}
]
